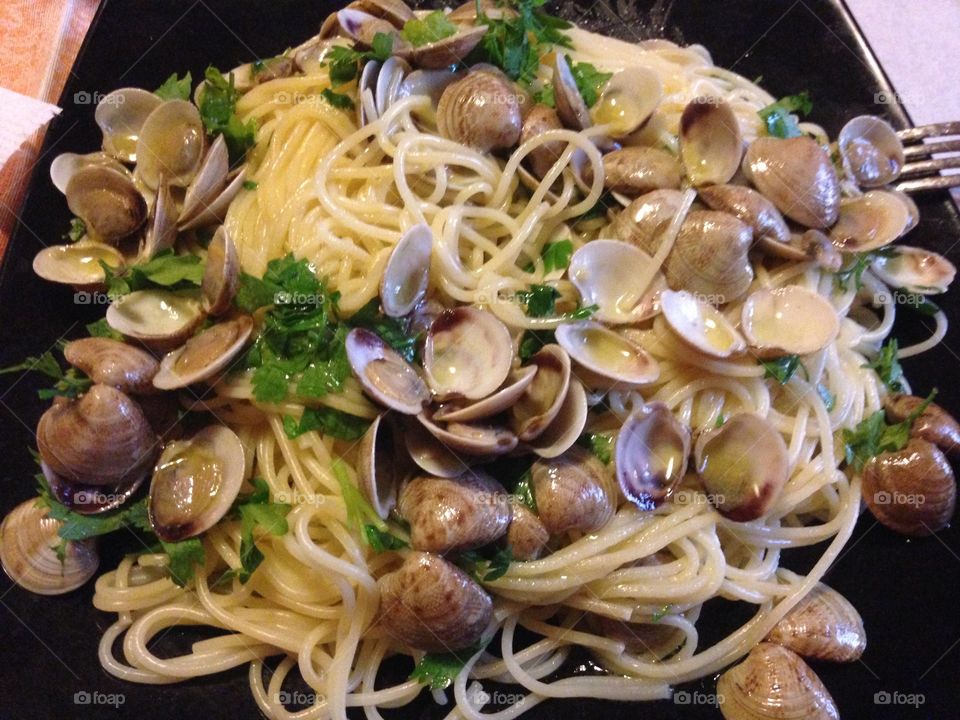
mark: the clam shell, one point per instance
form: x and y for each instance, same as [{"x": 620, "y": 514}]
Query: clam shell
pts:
[
  {"x": 711, "y": 145},
  {"x": 65, "y": 165},
  {"x": 651, "y": 455},
  {"x": 407, "y": 274},
  {"x": 915, "y": 269},
  {"x": 467, "y": 354},
  {"x": 871, "y": 151},
  {"x": 90, "y": 499},
  {"x": 77, "y": 264},
  {"x": 773, "y": 682},
  {"x": 571, "y": 108},
  {"x": 573, "y": 492},
  {"x": 869, "y": 222},
  {"x": 121, "y": 115},
  {"x": 824, "y": 625},
  {"x": 158, "y": 318},
  {"x": 603, "y": 359},
  {"x": 470, "y": 438},
  {"x": 539, "y": 120},
  {"x": 628, "y": 100},
  {"x": 935, "y": 425},
  {"x": 430, "y": 454},
  {"x": 700, "y": 325},
  {"x": 221, "y": 273},
  {"x": 788, "y": 320},
  {"x": 480, "y": 110},
  {"x": 107, "y": 201},
  {"x": 635, "y": 171},
  {"x": 526, "y": 536},
  {"x": 162, "y": 232},
  {"x": 605, "y": 273},
  {"x": 378, "y": 476},
  {"x": 750, "y": 207},
  {"x": 204, "y": 355},
  {"x": 710, "y": 257},
  {"x": 501, "y": 400},
  {"x": 28, "y": 542},
  {"x": 449, "y": 50},
  {"x": 171, "y": 144},
  {"x": 566, "y": 427},
  {"x": 110, "y": 362},
  {"x": 646, "y": 217},
  {"x": 542, "y": 399},
  {"x": 384, "y": 374}
]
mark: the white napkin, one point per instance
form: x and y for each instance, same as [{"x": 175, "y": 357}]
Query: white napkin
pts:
[{"x": 22, "y": 117}]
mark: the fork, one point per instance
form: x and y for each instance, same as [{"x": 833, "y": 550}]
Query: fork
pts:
[{"x": 925, "y": 172}]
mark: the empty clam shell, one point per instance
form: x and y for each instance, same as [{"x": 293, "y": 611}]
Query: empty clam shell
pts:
[
  {"x": 603, "y": 359},
  {"x": 571, "y": 108},
  {"x": 384, "y": 374},
  {"x": 107, "y": 201},
  {"x": 773, "y": 682},
  {"x": 389, "y": 79},
  {"x": 700, "y": 325},
  {"x": 77, "y": 264},
  {"x": 158, "y": 318},
  {"x": 824, "y": 625},
  {"x": 503, "y": 399},
  {"x": 711, "y": 145},
  {"x": 628, "y": 100},
  {"x": 565, "y": 429},
  {"x": 542, "y": 399},
  {"x": 871, "y": 221},
  {"x": 471, "y": 438},
  {"x": 797, "y": 176},
  {"x": 430, "y": 454},
  {"x": 171, "y": 144},
  {"x": 221, "y": 273},
  {"x": 110, "y": 362},
  {"x": 743, "y": 466},
  {"x": 209, "y": 183},
  {"x": 378, "y": 475},
  {"x": 871, "y": 151},
  {"x": 574, "y": 492},
  {"x": 205, "y": 355},
  {"x": 468, "y": 353},
  {"x": 28, "y": 552},
  {"x": 195, "y": 483},
  {"x": 915, "y": 269},
  {"x": 651, "y": 455},
  {"x": 646, "y": 217},
  {"x": 121, "y": 115},
  {"x": 65, "y": 165},
  {"x": 449, "y": 50},
  {"x": 407, "y": 273},
  {"x": 605, "y": 272},
  {"x": 162, "y": 230},
  {"x": 788, "y": 320}
]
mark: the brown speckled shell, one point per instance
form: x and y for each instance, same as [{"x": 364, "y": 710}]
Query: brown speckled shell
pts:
[
  {"x": 526, "y": 536},
  {"x": 824, "y": 625},
  {"x": 114, "y": 363},
  {"x": 935, "y": 425},
  {"x": 482, "y": 111},
  {"x": 573, "y": 492}
]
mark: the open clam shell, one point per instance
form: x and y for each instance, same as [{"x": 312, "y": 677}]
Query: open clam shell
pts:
[
  {"x": 503, "y": 399},
  {"x": 158, "y": 318},
  {"x": 749, "y": 206},
  {"x": 700, "y": 325},
  {"x": 449, "y": 50},
  {"x": 90, "y": 499},
  {"x": 541, "y": 401},
  {"x": 566, "y": 427},
  {"x": 77, "y": 264},
  {"x": 471, "y": 438},
  {"x": 642, "y": 221},
  {"x": 651, "y": 455},
  {"x": 378, "y": 473},
  {"x": 635, "y": 171},
  {"x": 65, "y": 165},
  {"x": 407, "y": 274},
  {"x": 121, "y": 115},
  {"x": 871, "y": 151},
  {"x": 107, "y": 201},
  {"x": 869, "y": 222},
  {"x": 221, "y": 273},
  {"x": 628, "y": 100},
  {"x": 788, "y": 320},
  {"x": 195, "y": 482},
  {"x": 384, "y": 374},
  {"x": 603, "y": 359},
  {"x": 605, "y": 273},
  {"x": 205, "y": 355},
  {"x": 571, "y": 107},
  {"x": 162, "y": 231},
  {"x": 467, "y": 354},
  {"x": 711, "y": 145},
  {"x": 114, "y": 363},
  {"x": 171, "y": 144},
  {"x": 430, "y": 454},
  {"x": 915, "y": 269}
]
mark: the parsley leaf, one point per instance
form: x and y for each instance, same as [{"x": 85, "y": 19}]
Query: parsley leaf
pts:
[
  {"x": 780, "y": 119},
  {"x": 338, "y": 100},
  {"x": 165, "y": 270},
  {"x": 70, "y": 383},
  {"x": 250, "y": 185},
  {"x": 175, "y": 88},
  {"x": 515, "y": 44},
  {"x": 541, "y": 300},
  {"x": 532, "y": 341},
  {"x": 544, "y": 96},
  {"x": 523, "y": 491},
  {"x": 874, "y": 436},
  {"x": 77, "y": 230},
  {"x": 439, "y": 670},
  {"x": 429, "y": 29},
  {"x": 218, "y": 110},
  {"x": 256, "y": 510},
  {"x": 101, "y": 328},
  {"x": 343, "y": 62},
  {"x": 887, "y": 366},
  {"x": 590, "y": 81},
  {"x": 184, "y": 556},
  {"x": 853, "y": 272},
  {"x": 783, "y": 368},
  {"x": 392, "y": 331},
  {"x": 359, "y": 511},
  {"x": 556, "y": 255},
  {"x": 382, "y": 540},
  {"x": 600, "y": 444},
  {"x": 327, "y": 421}
]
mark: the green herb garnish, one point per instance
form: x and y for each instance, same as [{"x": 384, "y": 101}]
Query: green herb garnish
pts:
[
  {"x": 175, "y": 87},
  {"x": 874, "y": 436},
  {"x": 70, "y": 383},
  {"x": 218, "y": 110},
  {"x": 327, "y": 421},
  {"x": 343, "y": 62},
  {"x": 338, "y": 100},
  {"x": 780, "y": 118},
  {"x": 887, "y": 366},
  {"x": 515, "y": 44},
  {"x": 600, "y": 444},
  {"x": 429, "y": 29},
  {"x": 439, "y": 670},
  {"x": 165, "y": 270},
  {"x": 77, "y": 230},
  {"x": 782, "y": 368}
]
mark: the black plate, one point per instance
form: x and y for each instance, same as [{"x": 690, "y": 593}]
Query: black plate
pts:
[{"x": 904, "y": 589}]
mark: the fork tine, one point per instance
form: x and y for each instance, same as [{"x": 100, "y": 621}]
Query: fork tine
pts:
[
  {"x": 925, "y": 131},
  {"x": 929, "y": 167},
  {"x": 937, "y": 182},
  {"x": 912, "y": 151}
]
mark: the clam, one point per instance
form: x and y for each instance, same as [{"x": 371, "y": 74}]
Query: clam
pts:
[
  {"x": 378, "y": 474},
  {"x": 711, "y": 145},
  {"x": 384, "y": 374},
  {"x": 871, "y": 151},
  {"x": 628, "y": 100},
  {"x": 774, "y": 682},
  {"x": 249, "y": 75},
  {"x": 642, "y": 221},
  {"x": 195, "y": 482},
  {"x": 430, "y": 83},
  {"x": 788, "y": 320},
  {"x": 824, "y": 626},
  {"x": 709, "y": 257},
  {"x": 107, "y": 201},
  {"x": 430, "y": 604},
  {"x": 603, "y": 359},
  {"x": 77, "y": 264},
  {"x": 911, "y": 491},
  {"x": 915, "y": 269},
  {"x": 651, "y": 455},
  {"x": 454, "y": 514},
  {"x": 395, "y": 12},
  {"x": 541, "y": 401},
  {"x": 809, "y": 246},
  {"x": 869, "y": 222},
  {"x": 221, "y": 273},
  {"x": 90, "y": 499},
  {"x": 28, "y": 552},
  {"x": 503, "y": 399},
  {"x": 471, "y": 438},
  {"x": 797, "y": 176},
  {"x": 66, "y": 165},
  {"x": 467, "y": 13},
  {"x": 388, "y": 80},
  {"x": 430, "y": 454},
  {"x": 934, "y": 424},
  {"x": 573, "y": 491},
  {"x": 527, "y": 537},
  {"x": 204, "y": 355},
  {"x": 751, "y": 207},
  {"x": 637, "y": 170},
  {"x": 480, "y": 110},
  {"x": 571, "y": 107},
  {"x": 212, "y": 189},
  {"x": 467, "y": 354},
  {"x": 364, "y": 27},
  {"x": 159, "y": 319},
  {"x": 700, "y": 325},
  {"x": 565, "y": 429},
  {"x": 171, "y": 145},
  {"x": 743, "y": 466},
  {"x": 102, "y": 438},
  {"x": 449, "y": 50},
  {"x": 162, "y": 231},
  {"x": 367, "y": 110},
  {"x": 407, "y": 274},
  {"x": 121, "y": 115},
  {"x": 539, "y": 120},
  {"x": 641, "y": 638},
  {"x": 110, "y": 362},
  {"x": 605, "y": 272}
]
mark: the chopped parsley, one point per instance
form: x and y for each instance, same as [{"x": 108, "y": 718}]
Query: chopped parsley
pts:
[
  {"x": 887, "y": 366},
  {"x": 392, "y": 331},
  {"x": 255, "y": 510},
  {"x": 589, "y": 79},
  {"x": 175, "y": 88},
  {"x": 101, "y": 328},
  {"x": 783, "y": 368},
  {"x": 439, "y": 670},
  {"x": 540, "y": 301},
  {"x": 183, "y": 558},
  {"x": 250, "y": 185},
  {"x": 780, "y": 117},
  {"x": 70, "y": 383},
  {"x": 555, "y": 256},
  {"x": 874, "y": 436},
  {"x": 515, "y": 44},
  {"x": 429, "y": 29},
  {"x": 382, "y": 540},
  {"x": 165, "y": 270},
  {"x": 486, "y": 565},
  {"x": 218, "y": 110},
  {"x": 600, "y": 444},
  {"x": 337, "y": 100},
  {"x": 327, "y": 421},
  {"x": 77, "y": 230},
  {"x": 523, "y": 491},
  {"x": 343, "y": 62},
  {"x": 361, "y": 515}
]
